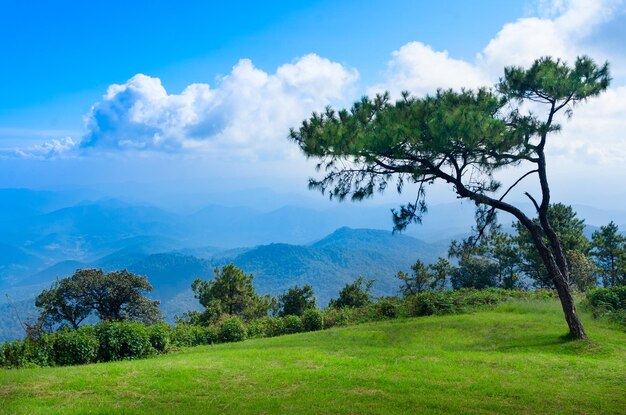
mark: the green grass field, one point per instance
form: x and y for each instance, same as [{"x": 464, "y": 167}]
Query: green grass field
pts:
[{"x": 509, "y": 360}]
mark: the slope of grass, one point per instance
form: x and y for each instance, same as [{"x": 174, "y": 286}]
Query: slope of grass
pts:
[{"x": 513, "y": 359}]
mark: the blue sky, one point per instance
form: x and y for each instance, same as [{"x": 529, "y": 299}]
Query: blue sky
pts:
[
  {"x": 62, "y": 56},
  {"x": 204, "y": 90}
]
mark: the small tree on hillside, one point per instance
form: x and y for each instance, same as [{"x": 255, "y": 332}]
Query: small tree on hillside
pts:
[
  {"x": 493, "y": 262},
  {"x": 570, "y": 231},
  {"x": 460, "y": 138},
  {"x": 231, "y": 292},
  {"x": 295, "y": 301},
  {"x": 356, "y": 294},
  {"x": 609, "y": 251},
  {"x": 420, "y": 279}
]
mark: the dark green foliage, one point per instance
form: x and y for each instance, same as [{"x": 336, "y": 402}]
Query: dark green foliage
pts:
[
  {"x": 63, "y": 303},
  {"x": 570, "y": 231},
  {"x": 230, "y": 292},
  {"x": 474, "y": 272},
  {"x": 257, "y": 328},
  {"x": 40, "y": 351},
  {"x": 493, "y": 261},
  {"x": 232, "y": 330},
  {"x": 419, "y": 280},
  {"x": 113, "y": 296},
  {"x": 609, "y": 301},
  {"x": 313, "y": 320},
  {"x": 13, "y": 354},
  {"x": 274, "y": 327},
  {"x": 609, "y": 252},
  {"x": 295, "y": 301},
  {"x": 293, "y": 324},
  {"x": 75, "y": 347},
  {"x": 123, "y": 340},
  {"x": 159, "y": 335},
  {"x": 356, "y": 294},
  {"x": 184, "y": 335},
  {"x": 386, "y": 308}
]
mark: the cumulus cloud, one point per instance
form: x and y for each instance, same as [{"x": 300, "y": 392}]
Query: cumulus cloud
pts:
[
  {"x": 417, "y": 68},
  {"x": 560, "y": 31},
  {"x": 249, "y": 112}
]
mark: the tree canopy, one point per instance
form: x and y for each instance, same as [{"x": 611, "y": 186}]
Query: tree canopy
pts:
[
  {"x": 114, "y": 296},
  {"x": 231, "y": 292}
]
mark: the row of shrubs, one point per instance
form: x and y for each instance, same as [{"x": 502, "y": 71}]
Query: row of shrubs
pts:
[
  {"x": 608, "y": 302},
  {"x": 110, "y": 341}
]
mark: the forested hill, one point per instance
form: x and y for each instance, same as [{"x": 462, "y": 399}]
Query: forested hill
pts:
[{"x": 327, "y": 265}]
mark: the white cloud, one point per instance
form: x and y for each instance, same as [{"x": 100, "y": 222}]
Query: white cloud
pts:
[
  {"x": 55, "y": 148},
  {"x": 560, "y": 31},
  {"x": 417, "y": 68},
  {"x": 248, "y": 113}
]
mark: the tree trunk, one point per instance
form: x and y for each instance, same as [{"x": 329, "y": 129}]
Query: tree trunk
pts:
[{"x": 560, "y": 280}]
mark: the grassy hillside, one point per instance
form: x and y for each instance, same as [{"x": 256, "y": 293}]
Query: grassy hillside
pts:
[{"x": 509, "y": 360}]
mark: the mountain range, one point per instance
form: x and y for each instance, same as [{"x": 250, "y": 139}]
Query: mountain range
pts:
[{"x": 50, "y": 234}]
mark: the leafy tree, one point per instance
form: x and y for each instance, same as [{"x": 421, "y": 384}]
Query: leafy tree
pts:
[
  {"x": 474, "y": 272},
  {"x": 460, "y": 138},
  {"x": 230, "y": 292},
  {"x": 356, "y": 294},
  {"x": 492, "y": 262},
  {"x": 419, "y": 280},
  {"x": 117, "y": 295},
  {"x": 295, "y": 301},
  {"x": 609, "y": 250},
  {"x": 63, "y": 304},
  {"x": 113, "y": 296},
  {"x": 570, "y": 231},
  {"x": 582, "y": 274},
  {"x": 440, "y": 271}
]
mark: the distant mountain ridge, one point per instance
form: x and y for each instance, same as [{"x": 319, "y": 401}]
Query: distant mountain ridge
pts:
[{"x": 327, "y": 265}]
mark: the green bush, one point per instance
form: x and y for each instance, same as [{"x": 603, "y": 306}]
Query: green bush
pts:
[
  {"x": 609, "y": 302},
  {"x": 75, "y": 347},
  {"x": 257, "y": 328},
  {"x": 12, "y": 354},
  {"x": 40, "y": 352},
  {"x": 185, "y": 335},
  {"x": 313, "y": 320},
  {"x": 159, "y": 335},
  {"x": 123, "y": 340},
  {"x": 274, "y": 327},
  {"x": 386, "y": 309},
  {"x": 293, "y": 324},
  {"x": 232, "y": 330}
]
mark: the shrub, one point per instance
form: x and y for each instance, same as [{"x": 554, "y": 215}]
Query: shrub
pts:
[
  {"x": 610, "y": 302},
  {"x": 275, "y": 327},
  {"x": 123, "y": 340},
  {"x": 159, "y": 335},
  {"x": 75, "y": 347},
  {"x": 293, "y": 324},
  {"x": 313, "y": 320},
  {"x": 40, "y": 352},
  {"x": 184, "y": 335},
  {"x": 257, "y": 328},
  {"x": 608, "y": 299},
  {"x": 232, "y": 330},
  {"x": 205, "y": 335},
  {"x": 12, "y": 354},
  {"x": 386, "y": 309}
]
